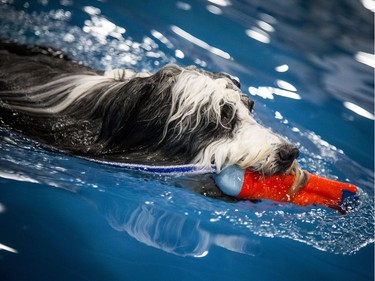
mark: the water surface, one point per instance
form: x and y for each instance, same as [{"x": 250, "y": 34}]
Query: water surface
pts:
[{"x": 308, "y": 66}]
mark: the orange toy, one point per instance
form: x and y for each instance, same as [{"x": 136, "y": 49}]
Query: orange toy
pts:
[
  {"x": 250, "y": 185},
  {"x": 318, "y": 190}
]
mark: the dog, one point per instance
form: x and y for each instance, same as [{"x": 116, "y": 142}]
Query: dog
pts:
[{"x": 177, "y": 115}]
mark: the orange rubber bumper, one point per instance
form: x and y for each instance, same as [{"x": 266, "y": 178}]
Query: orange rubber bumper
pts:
[{"x": 318, "y": 190}]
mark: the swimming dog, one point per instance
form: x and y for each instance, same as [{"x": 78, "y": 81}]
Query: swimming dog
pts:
[{"x": 177, "y": 115}]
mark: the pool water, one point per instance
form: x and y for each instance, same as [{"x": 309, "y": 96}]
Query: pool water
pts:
[{"x": 309, "y": 67}]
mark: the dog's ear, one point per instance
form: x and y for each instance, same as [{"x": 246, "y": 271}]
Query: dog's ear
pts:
[
  {"x": 228, "y": 116},
  {"x": 137, "y": 111}
]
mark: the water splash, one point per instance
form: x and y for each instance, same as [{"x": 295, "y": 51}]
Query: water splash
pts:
[
  {"x": 85, "y": 44},
  {"x": 157, "y": 213}
]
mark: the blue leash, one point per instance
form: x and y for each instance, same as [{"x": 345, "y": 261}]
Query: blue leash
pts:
[{"x": 166, "y": 170}]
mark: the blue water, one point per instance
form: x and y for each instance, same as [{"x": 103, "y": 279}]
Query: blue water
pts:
[{"x": 309, "y": 67}]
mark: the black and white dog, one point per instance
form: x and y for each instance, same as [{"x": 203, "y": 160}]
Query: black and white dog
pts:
[{"x": 178, "y": 115}]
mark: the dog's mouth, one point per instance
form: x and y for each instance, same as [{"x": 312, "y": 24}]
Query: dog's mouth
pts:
[
  {"x": 287, "y": 167},
  {"x": 285, "y": 157},
  {"x": 283, "y": 167},
  {"x": 274, "y": 170},
  {"x": 282, "y": 160}
]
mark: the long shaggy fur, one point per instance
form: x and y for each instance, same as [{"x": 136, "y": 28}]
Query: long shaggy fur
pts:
[{"x": 176, "y": 115}]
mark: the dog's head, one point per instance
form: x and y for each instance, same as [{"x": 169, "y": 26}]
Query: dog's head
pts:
[
  {"x": 204, "y": 118},
  {"x": 212, "y": 107}
]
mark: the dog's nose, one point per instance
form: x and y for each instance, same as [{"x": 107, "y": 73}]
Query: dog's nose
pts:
[{"x": 288, "y": 153}]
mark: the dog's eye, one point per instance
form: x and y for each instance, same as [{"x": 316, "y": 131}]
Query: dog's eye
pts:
[
  {"x": 248, "y": 103},
  {"x": 227, "y": 116},
  {"x": 236, "y": 81}
]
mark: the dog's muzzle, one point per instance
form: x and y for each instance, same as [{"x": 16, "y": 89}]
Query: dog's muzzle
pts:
[{"x": 285, "y": 156}]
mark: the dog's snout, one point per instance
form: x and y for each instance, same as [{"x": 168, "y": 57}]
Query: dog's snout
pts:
[{"x": 288, "y": 153}]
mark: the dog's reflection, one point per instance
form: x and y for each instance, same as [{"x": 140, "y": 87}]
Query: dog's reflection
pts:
[{"x": 177, "y": 234}]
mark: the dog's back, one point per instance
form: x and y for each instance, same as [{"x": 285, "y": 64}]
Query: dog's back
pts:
[
  {"x": 118, "y": 115},
  {"x": 24, "y": 68}
]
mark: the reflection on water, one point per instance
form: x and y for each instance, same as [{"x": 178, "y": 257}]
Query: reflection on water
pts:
[
  {"x": 269, "y": 92},
  {"x": 173, "y": 233},
  {"x": 369, "y": 4},
  {"x": 359, "y": 110},
  {"x": 258, "y": 35},
  {"x": 214, "y": 9},
  {"x": 365, "y": 58},
  {"x": 222, "y": 3},
  {"x": 100, "y": 27},
  {"x": 2, "y": 208},
  {"x": 191, "y": 38},
  {"x": 282, "y": 68},
  {"x": 7, "y": 248}
]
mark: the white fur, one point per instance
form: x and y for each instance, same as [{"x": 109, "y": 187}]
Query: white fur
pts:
[
  {"x": 193, "y": 91},
  {"x": 74, "y": 87},
  {"x": 124, "y": 74},
  {"x": 252, "y": 145}
]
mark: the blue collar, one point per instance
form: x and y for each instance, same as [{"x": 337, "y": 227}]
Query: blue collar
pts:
[{"x": 170, "y": 170}]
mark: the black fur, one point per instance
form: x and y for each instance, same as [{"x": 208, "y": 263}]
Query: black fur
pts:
[{"x": 128, "y": 124}]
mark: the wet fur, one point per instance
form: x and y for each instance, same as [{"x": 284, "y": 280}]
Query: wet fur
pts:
[{"x": 176, "y": 116}]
